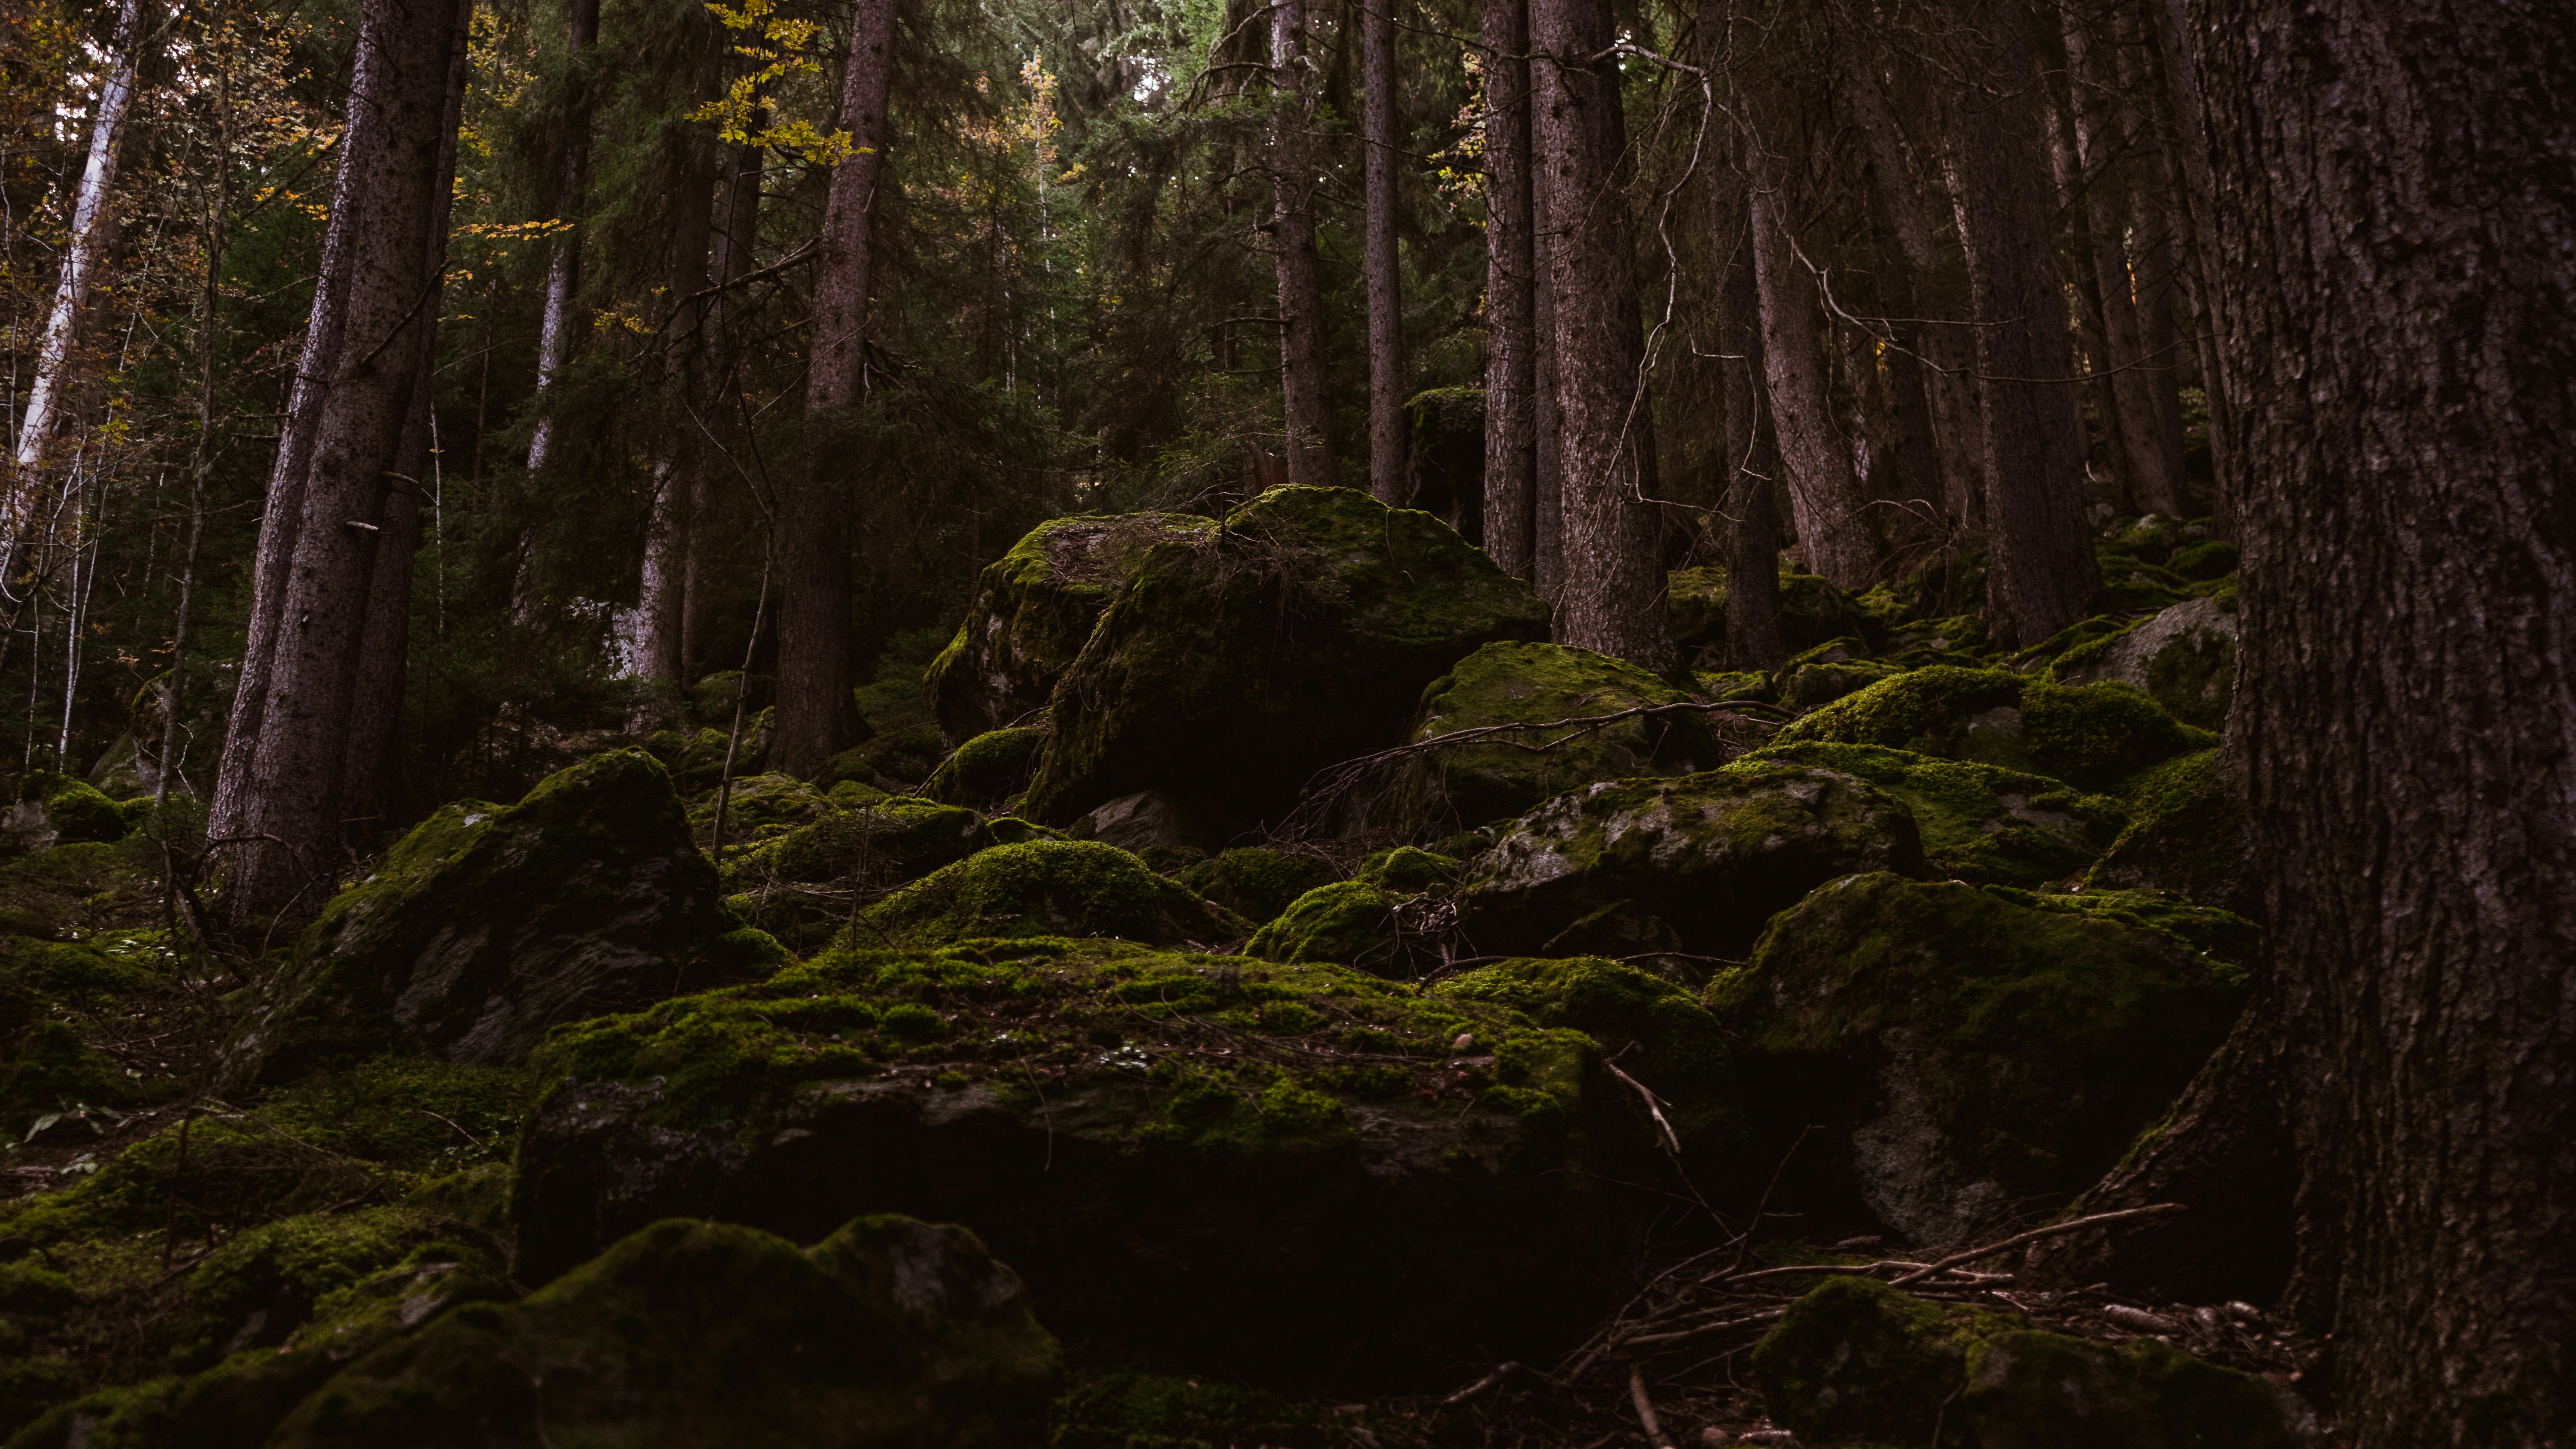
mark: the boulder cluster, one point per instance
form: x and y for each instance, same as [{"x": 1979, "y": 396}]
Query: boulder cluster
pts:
[{"x": 1258, "y": 937}]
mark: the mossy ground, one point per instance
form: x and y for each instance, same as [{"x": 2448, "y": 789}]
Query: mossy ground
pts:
[
  {"x": 2094, "y": 737},
  {"x": 1515, "y": 682},
  {"x": 1255, "y": 883},
  {"x": 1045, "y": 888},
  {"x": 1979, "y": 823}
]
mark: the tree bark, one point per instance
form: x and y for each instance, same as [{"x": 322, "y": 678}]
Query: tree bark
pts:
[
  {"x": 1388, "y": 444},
  {"x": 2191, "y": 157},
  {"x": 816, "y": 715},
  {"x": 373, "y": 787},
  {"x": 707, "y": 481},
  {"x": 1753, "y": 634},
  {"x": 1308, "y": 443},
  {"x": 563, "y": 267},
  {"x": 80, "y": 258},
  {"x": 1547, "y": 446},
  {"x": 2396, "y": 213},
  {"x": 288, "y": 790},
  {"x": 2040, "y": 567},
  {"x": 1612, "y": 600},
  {"x": 1511, "y": 503}
]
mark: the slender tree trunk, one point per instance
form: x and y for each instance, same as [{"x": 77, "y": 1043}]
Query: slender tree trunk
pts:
[
  {"x": 734, "y": 246},
  {"x": 563, "y": 267},
  {"x": 2396, "y": 215},
  {"x": 2040, "y": 566},
  {"x": 1612, "y": 599},
  {"x": 1547, "y": 448},
  {"x": 1387, "y": 438},
  {"x": 1308, "y": 448},
  {"x": 290, "y": 793},
  {"x": 1753, "y": 636},
  {"x": 661, "y": 592},
  {"x": 1825, "y": 496},
  {"x": 80, "y": 259},
  {"x": 210, "y": 301},
  {"x": 1511, "y": 504},
  {"x": 816, "y": 715},
  {"x": 2197, "y": 198},
  {"x": 2078, "y": 274},
  {"x": 373, "y": 780}
]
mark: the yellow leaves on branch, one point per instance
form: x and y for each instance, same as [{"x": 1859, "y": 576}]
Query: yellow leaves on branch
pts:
[{"x": 780, "y": 49}]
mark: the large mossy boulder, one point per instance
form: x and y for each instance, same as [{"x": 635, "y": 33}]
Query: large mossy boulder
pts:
[
  {"x": 1711, "y": 855},
  {"x": 61, "y": 810},
  {"x": 489, "y": 924},
  {"x": 1253, "y": 882},
  {"x": 987, "y": 769},
  {"x": 883, "y": 842},
  {"x": 1046, "y": 888},
  {"x": 889, "y": 1332},
  {"x": 1348, "y": 923},
  {"x": 1979, "y": 823},
  {"x": 1978, "y": 1049},
  {"x": 1229, "y": 670},
  {"x": 2093, "y": 736},
  {"x": 1517, "y": 682},
  {"x": 1856, "y": 1362},
  {"x": 757, "y": 808},
  {"x": 2188, "y": 837},
  {"x": 1034, "y": 607},
  {"x": 1281, "y": 1170},
  {"x": 2183, "y": 657}
]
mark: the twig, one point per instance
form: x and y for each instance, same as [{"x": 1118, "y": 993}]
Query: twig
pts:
[
  {"x": 2052, "y": 1230},
  {"x": 1646, "y": 1416},
  {"x": 1654, "y": 1107}
]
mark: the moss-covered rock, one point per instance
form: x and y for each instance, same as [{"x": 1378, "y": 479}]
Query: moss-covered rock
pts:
[
  {"x": 1856, "y": 1362},
  {"x": 1657, "y": 1030},
  {"x": 1271, "y": 1166},
  {"x": 2092, "y": 736},
  {"x": 1033, "y": 609},
  {"x": 1515, "y": 682},
  {"x": 890, "y": 1332},
  {"x": 1979, "y": 823},
  {"x": 1228, "y": 671},
  {"x": 988, "y": 769},
  {"x": 2184, "y": 657},
  {"x": 1046, "y": 888},
  {"x": 1147, "y": 820},
  {"x": 1812, "y": 610},
  {"x": 885, "y": 842},
  {"x": 1407, "y": 870},
  {"x": 1712, "y": 855},
  {"x": 59, "y": 809},
  {"x": 489, "y": 923},
  {"x": 1349, "y": 923},
  {"x": 2207, "y": 561},
  {"x": 760, "y": 807},
  {"x": 1979, "y": 1050},
  {"x": 1817, "y": 677},
  {"x": 1254, "y": 883},
  {"x": 2187, "y": 836}
]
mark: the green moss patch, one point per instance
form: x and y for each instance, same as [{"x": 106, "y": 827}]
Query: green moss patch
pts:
[
  {"x": 987, "y": 769},
  {"x": 2187, "y": 837},
  {"x": 1350, "y": 923},
  {"x": 1516, "y": 682},
  {"x": 1045, "y": 888},
  {"x": 1979, "y": 823},
  {"x": 1252, "y": 882},
  {"x": 2091, "y": 736}
]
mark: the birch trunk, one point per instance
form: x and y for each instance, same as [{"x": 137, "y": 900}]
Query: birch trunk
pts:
[
  {"x": 661, "y": 589},
  {"x": 1511, "y": 503},
  {"x": 563, "y": 267}
]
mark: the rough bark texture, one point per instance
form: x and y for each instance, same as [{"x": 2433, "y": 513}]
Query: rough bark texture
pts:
[
  {"x": 2040, "y": 566},
  {"x": 372, "y": 787},
  {"x": 709, "y": 474},
  {"x": 1294, "y": 88},
  {"x": 816, "y": 716},
  {"x": 1547, "y": 448},
  {"x": 2398, "y": 217},
  {"x": 2189, "y": 153},
  {"x": 1825, "y": 495},
  {"x": 1511, "y": 500},
  {"x": 563, "y": 267},
  {"x": 1612, "y": 599},
  {"x": 288, "y": 794},
  {"x": 1388, "y": 448},
  {"x": 1753, "y": 635}
]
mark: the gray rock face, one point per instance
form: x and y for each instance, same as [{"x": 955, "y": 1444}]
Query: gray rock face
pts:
[
  {"x": 2185, "y": 657},
  {"x": 1146, "y": 818},
  {"x": 489, "y": 924}
]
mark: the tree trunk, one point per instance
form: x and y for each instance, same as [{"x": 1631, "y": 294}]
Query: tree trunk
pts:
[
  {"x": 373, "y": 774},
  {"x": 1388, "y": 446},
  {"x": 80, "y": 258},
  {"x": 2181, "y": 70},
  {"x": 2040, "y": 567},
  {"x": 563, "y": 267},
  {"x": 1753, "y": 636},
  {"x": 1547, "y": 446},
  {"x": 1612, "y": 600},
  {"x": 1825, "y": 496},
  {"x": 816, "y": 715},
  {"x": 297, "y": 727},
  {"x": 707, "y": 481},
  {"x": 2396, "y": 212},
  {"x": 1511, "y": 515},
  {"x": 1308, "y": 445}
]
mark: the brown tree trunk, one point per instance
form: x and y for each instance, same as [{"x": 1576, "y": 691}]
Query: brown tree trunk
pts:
[
  {"x": 563, "y": 266},
  {"x": 289, "y": 791},
  {"x": 2396, "y": 213},
  {"x": 2197, "y": 197},
  {"x": 1308, "y": 445},
  {"x": 662, "y": 585},
  {"x": 2040, "y": 566},
  {"x": 1547, "y": 446},
  {"x": 1388, "y": 445},
  {"x": 1753, "y": 636},
  {"x": 1511, "y": 501},
  {"x": 708, "y": 481},
  {"x": 1612, "y": 600},
  {"x": 373, "y": 785},
  {"x": 816, "y": 715},
  {"x": 1825, "y": 497}
]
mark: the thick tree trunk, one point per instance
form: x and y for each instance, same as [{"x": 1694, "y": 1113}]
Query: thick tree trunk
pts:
[
  {"x": 1511, "y": 341},
  {"x": 707, "y": 481},
  {"x": 1388, "y": 445},
  {"x": 288, "y": 791},
  {"x": 1308, "y": 445},
  {"x": 80, "y": 259},
  {"x": 372, "y": 783},
  {"x": 1612, "y": 600},
  {"x": 816, "y": 715},
  {"x": 2397, "y": 213},
  {"x": 2040, "y": 566},
  {"x": 1825, "y": 496},
  {"x": 563, "y": 267},
  {"x": 1547, "y": 447}
]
